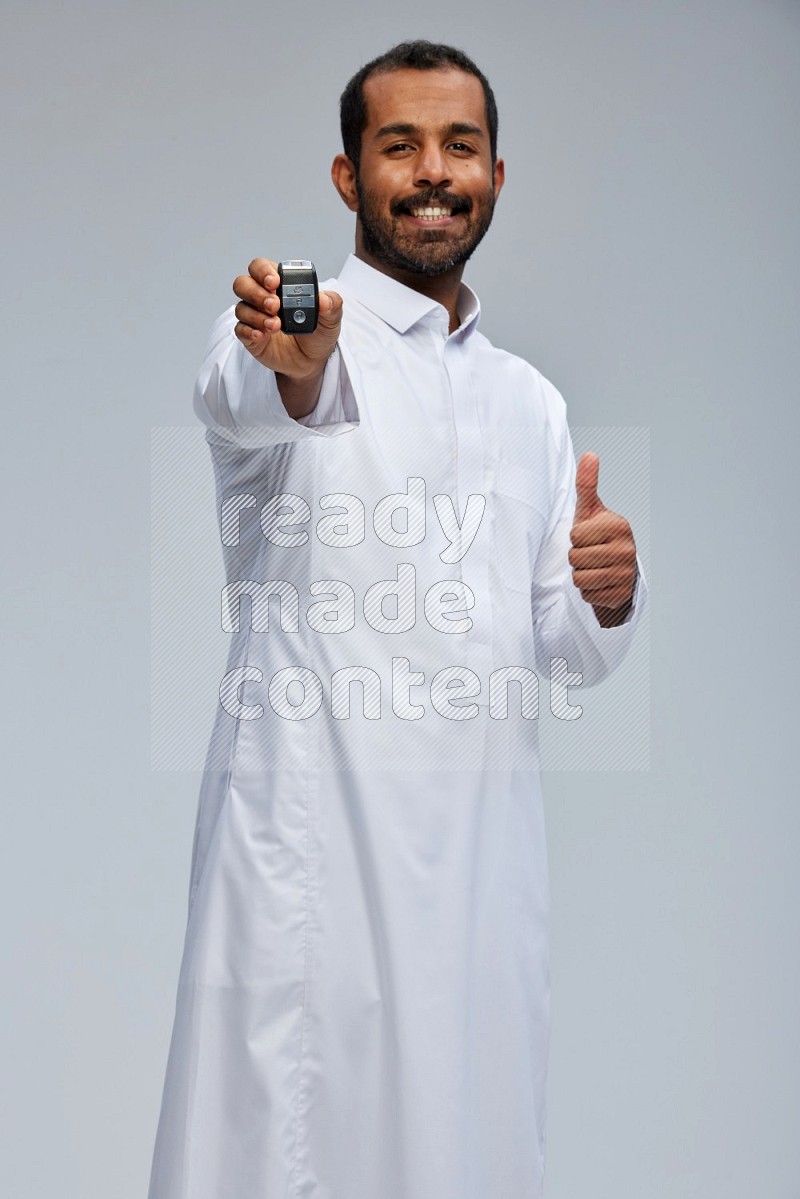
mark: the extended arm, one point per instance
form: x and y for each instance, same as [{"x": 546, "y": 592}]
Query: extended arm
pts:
[{"x": 259, "y": 386}]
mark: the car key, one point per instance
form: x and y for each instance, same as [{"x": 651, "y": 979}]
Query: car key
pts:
[{"x": 298, "y": 293}]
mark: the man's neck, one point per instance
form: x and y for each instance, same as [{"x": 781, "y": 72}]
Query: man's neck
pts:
[{"x": 442, "y": 288}]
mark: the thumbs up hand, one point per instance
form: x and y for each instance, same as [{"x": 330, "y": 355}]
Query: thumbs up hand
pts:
[{"x": 603, "y": 554}]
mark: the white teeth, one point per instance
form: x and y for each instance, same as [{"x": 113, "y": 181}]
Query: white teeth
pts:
[{"x": 431, "y": 214}]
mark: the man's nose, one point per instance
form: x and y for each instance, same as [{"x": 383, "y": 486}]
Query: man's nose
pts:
[{"x": 431, "y": 168}]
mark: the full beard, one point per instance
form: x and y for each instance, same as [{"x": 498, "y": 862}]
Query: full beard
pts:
[{"x": 428, "y": 251}]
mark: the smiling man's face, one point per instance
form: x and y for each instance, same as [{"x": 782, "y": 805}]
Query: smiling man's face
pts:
[{"x": 425, "y": 190}]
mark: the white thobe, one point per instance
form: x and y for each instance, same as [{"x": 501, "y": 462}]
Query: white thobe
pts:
[{"x": 363, "y": 1003}]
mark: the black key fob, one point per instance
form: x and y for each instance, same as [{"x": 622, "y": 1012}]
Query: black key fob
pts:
[{"x": 298, "y": 293}]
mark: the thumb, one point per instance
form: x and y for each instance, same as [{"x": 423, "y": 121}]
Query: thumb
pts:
[
  {"x": 330, "y": 308},
  {"x": 588, "y": 501}
]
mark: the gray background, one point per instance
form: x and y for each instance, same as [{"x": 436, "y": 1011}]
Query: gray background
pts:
[{"x": 649, "y": 220}]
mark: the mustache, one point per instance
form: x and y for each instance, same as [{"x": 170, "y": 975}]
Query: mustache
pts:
[{"x": 432, "y": 199}]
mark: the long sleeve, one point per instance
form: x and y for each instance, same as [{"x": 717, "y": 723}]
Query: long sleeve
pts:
[
  {"x": 565, "y": 626},
  {"x": 238, "y": 398}
]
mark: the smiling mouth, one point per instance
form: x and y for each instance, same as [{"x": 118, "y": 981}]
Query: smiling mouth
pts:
[
  {"x": 432, "y": 209},
  {"x": 430, "y": 214},
  {"x": 434, "y": 216}
]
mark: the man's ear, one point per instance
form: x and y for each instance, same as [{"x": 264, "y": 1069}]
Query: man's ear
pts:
[
  {"x": 499, "y": 177},
  {"x": 343, "y": 174}
]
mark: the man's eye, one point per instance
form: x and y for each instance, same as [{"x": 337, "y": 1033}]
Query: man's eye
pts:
[
  {"x": 398, "y": 146},
  {"x": 462, "y": 146}
]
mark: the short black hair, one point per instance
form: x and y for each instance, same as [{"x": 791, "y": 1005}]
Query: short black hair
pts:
[{"x": 420, "y": 56}]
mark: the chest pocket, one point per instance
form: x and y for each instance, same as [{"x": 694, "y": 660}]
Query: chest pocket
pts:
[{"x": 518, "y": 526}]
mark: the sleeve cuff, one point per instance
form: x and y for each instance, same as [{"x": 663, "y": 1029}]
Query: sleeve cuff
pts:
[
  {"x": 336, "y": 410},
  {"x": 239, "y": 401}
]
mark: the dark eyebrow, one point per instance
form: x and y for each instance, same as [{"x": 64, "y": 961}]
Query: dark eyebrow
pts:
[{"x": 455, "y": 127}]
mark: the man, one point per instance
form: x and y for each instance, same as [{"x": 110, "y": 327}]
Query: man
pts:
[{"x": 362, "y": 1010}]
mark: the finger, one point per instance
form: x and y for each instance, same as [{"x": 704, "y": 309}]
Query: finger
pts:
[
  {"x": 599, "y": 529},
  {"x": 586, "y": 477},
  {"x": 245, "y": 288},
  {"x": 612, "y": 553},
  {"x": 265, "y": 272},
  {"x": 596, "y": 580},
  {"x": 607, "y": 597},
  {"x": 254, "y": 340},
  {"x": 260, "y": 321}
]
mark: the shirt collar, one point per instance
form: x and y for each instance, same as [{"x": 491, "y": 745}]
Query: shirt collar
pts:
[{"x": 398, "y": 305}]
